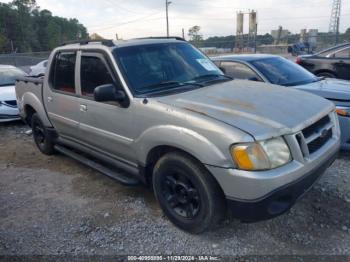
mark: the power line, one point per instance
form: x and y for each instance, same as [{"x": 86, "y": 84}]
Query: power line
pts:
[{"x": 128, "y": 22}]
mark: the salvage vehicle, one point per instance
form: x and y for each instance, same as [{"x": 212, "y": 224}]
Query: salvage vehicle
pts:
[
  {"x": 280, "y": 71},
  {"x": 331, "y": 63},
  {"x": 8, "y": 103},
  {"x": 38, "y": 69},
  {"x": 162, "y": 111}
]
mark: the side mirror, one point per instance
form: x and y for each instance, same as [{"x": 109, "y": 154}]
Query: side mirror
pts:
[
  {"x": 108, "y": 93},
  {"x": 222, "y": 69}
]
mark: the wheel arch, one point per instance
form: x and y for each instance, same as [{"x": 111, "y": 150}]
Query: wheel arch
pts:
[
  {"x": 325, "y": 71},
  {"x": 31, "y": 103}
]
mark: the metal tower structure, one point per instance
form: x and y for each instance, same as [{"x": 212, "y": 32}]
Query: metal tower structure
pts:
[{"x": 335, "y": 17}]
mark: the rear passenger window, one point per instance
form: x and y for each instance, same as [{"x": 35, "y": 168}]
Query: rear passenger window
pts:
[
  {"x": 63, "y": 76},
  {"x": 94, "y": 73},
  {"x": 343, "y": 53},
  {"x": 239, "y": 71}
]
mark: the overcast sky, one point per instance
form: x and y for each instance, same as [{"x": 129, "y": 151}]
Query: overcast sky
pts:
[{"x": 138, "y": 18}]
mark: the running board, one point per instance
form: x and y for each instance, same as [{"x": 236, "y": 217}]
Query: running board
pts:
[{"x": 123, "y": 179}]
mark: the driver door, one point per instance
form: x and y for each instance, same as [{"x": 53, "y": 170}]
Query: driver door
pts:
[
  {"x": 104, "y": 126},
  {"x": 342, "y": 63}
]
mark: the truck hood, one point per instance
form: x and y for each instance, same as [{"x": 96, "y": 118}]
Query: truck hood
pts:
[
  {"x": 330, "y": 88},
  {"x": 7, "y": 93},
  {"x": 260, "y": 109}
]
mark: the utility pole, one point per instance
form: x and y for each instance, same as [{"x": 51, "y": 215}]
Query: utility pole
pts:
[
  {"x": 183, "y": 33},
  {"x": 167, "y": 3},
  {"x": 335, "y": 19}
]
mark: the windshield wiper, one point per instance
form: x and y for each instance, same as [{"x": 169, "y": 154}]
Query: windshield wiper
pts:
[
  {"x": 215, "y": 76},
  {"x": 162, "y": 84}
]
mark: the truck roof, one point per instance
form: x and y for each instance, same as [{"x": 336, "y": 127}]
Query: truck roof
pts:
[{"x": 122, "y": 43}]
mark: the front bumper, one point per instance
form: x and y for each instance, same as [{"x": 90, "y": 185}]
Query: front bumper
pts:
[
  {"x": 344, "y": 123},
  {"x": 252, "y": 185},
  {"x": 278, "y": 201},
  {"x": 8, "y": 118},
  {"x": 8, "y": 113}
]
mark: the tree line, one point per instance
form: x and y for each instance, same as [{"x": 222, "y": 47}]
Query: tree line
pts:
[
  {"x": 24, "y": 27},
  {"x": 196, "y": 38}
]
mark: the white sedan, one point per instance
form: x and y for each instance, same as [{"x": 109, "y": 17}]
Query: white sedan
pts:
[
  {"x": 8, "y": 103},
  {"x": 38, "y": 69}
]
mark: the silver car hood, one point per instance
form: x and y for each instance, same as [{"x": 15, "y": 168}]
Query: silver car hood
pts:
[
  {"x": 335, "y": 89},
  {"x": 260, "y": 109},
  {"x": 7, "y": 93}
]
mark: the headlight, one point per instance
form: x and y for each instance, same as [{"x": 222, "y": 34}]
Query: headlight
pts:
[
  {"x": 262, "y": 155},
  {"x": 343, "y": 111}
]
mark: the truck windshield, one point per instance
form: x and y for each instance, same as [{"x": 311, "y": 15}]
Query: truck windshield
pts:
[
  {"x": 8, "y": 76},
  {"x": 280, "y": 71},
  {"x": 163, "y": 67}
]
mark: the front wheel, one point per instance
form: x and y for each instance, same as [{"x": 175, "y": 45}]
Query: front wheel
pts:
[
  {"x": 188, "y": 194},
  {"x": 42, "y": 137}
]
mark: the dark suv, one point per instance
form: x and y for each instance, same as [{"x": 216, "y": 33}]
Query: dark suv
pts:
[{"x": 332, "y": 63}]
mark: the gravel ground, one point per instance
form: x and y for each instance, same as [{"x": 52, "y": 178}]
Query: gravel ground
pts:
[{"x": 54, "y": 205}]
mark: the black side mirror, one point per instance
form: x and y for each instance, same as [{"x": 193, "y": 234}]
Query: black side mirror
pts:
[
  {"x": 108, "y": 93},
  {"x": 222, "y": 69}
]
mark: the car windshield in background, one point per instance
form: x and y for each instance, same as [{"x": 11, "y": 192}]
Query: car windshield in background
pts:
[
  {"x": 165, "y": 67},
  {"x": 8, "y": 76},
  {"x": 280, "y": 71}
]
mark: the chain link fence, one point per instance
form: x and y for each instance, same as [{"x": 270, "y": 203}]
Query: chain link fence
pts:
[{"x": 23, "y": 60}]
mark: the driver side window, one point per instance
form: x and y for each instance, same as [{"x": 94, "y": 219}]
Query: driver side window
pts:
[
  {"x": 345, "y": 53},
  {"x": 93, "y": 73}
]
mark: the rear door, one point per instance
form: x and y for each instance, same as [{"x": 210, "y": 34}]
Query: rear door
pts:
[
  {"x": 61, "y": 100},
  {"x": 105, "y": 126},
  {"x": 342, "y": 63}
]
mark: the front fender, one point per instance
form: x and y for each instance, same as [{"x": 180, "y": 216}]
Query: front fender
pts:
[
  {"x": 182, "y": 138},
  {"x": 30, "y": 99}
]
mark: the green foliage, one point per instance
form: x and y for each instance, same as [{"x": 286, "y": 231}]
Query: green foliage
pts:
[
  {"x": 347, "y": 35},
  {"x": 195, "y": 36},
  {"x": 30, "y": 29},
  {"x": 230, "y": 41}
]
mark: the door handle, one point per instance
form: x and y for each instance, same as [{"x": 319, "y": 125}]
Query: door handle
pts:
[
  {"x": 83, "y": 108},
  {"x": 49, "y": 99}
]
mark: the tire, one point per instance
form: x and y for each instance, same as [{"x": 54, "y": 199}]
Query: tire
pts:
[
  {"x": 326, "y": 74},
  {"x": 188, "y": 194},
  {"x": 42, "y": 138}
]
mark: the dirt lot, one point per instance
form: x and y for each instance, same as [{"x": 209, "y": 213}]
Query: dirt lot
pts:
[{"x": 54, "y": 205}]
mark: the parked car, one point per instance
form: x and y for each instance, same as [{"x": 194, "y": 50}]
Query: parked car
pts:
[
  {"x": 161, "y": 110},
  {"x": 8, "y": 103},
  {"x": 280, "y": 71},
  {"x": 330, "y": 63},
  {"x": 38, "y": 69}
]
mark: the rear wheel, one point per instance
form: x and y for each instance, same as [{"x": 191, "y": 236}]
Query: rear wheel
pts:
[
  {"x": 326, "y": 75},
  {"x": 188, "y": 194},
  {"x": 42, "y": 137}
]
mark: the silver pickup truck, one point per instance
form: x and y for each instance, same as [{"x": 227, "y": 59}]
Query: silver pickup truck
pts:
[{"x": 160, "y": 110}]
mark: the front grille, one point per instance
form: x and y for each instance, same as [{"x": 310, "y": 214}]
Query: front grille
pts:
[
  {"x": 309, "y": 131},
  {"x": 318, "y": 134},
  {"x": 319, "y": 142},
  {"x": 11, "y": 103}
]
